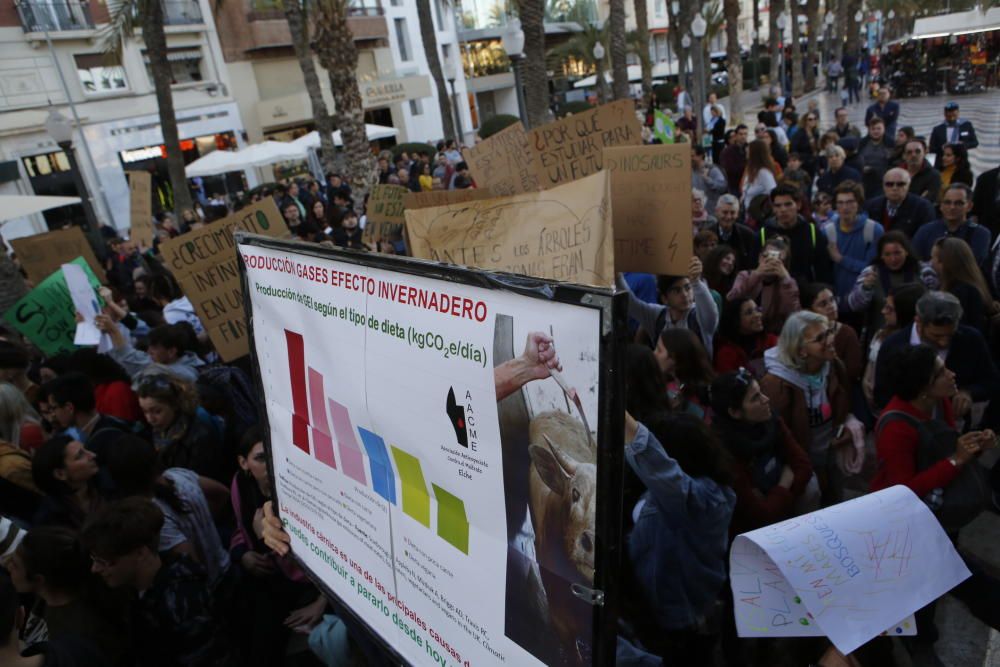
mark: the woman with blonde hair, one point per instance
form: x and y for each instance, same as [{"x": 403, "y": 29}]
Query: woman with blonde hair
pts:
[
  {"x": 15, "y": 463},
  {"x": 955, "y": 265}
]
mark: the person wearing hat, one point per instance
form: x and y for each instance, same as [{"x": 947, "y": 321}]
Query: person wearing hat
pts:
[{"x": 953, "y": 130}]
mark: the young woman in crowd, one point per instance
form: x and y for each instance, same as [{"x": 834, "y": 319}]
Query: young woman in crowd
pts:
[
  {"x": 805, "y": 141},
  {"x": 955, "y": 166},
  {"x": 898, "y": 311},
  {"x": 720, "y": 269},
  {"x": 685, "y": 364},
  {"x": 645, "y": 383},
  {"x": 66, "y": 472},
  {"x": 759, "y": 177},
  {"x": 770, "y": 284},
  {"x": 742, "y": 339},
  {"x": 955, "y": 265},
  {"x": 894, "y": 265},
  {"x": 317, "y": 219},
  {"x": 819, "y": 298},
  {"x": 170, "y": 406},
  {"x": 808, "y": 388},
  {"x": 772, "y": 472}
]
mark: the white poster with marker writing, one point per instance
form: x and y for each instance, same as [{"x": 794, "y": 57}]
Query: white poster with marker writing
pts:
[{"x": 848, "y": 572}]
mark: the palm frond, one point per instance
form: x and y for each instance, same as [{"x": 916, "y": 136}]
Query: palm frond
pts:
[{"x": 123, "y": 15}]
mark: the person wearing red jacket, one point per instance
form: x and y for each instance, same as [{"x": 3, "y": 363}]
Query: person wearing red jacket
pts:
[
  {"x": 774, "y": 479},
  {"x": 742, "y": 340}
]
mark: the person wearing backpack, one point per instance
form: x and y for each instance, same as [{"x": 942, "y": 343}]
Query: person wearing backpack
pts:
[
  {"x": 918, "y": 446},
  {"x": 851, "y": 240}
]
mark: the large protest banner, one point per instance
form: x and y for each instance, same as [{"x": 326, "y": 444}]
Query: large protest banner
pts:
[
  {"x": 46, "y": 315},
  {"x": 573, "y": 148},
  {"x": 42, "y": 254},
  {"x": 141, "y": 208},
  {"x": 204, "y": 263},
  {"x": 385, "y": 214},
  {"x": 404, "y": 448},
  {"x": 417, "y": 200},
  {"x": 504, "y": 163},
  {"x": 650, "y": 193},
  {"x": 559, "y": 234}
]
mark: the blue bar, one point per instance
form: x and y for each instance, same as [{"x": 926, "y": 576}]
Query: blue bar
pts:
[{"x": 383, "y": 481}]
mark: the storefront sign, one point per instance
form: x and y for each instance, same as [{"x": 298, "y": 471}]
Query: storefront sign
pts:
[{"x": 382, "y": 92}]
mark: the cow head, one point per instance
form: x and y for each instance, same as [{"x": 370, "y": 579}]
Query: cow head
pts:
[{"x": 574, "y": 486}]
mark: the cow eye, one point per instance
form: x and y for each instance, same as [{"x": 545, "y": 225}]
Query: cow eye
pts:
[{"x": 576, "y": 496}]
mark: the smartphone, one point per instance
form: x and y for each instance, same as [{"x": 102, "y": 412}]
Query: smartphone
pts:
[{"x": 772, "y": 254}]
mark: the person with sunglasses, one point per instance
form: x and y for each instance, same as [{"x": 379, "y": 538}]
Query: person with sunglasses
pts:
[
  {"x": 808, "y": 388},
  {"x": 772, "y": 473},
  {"x": 898, "y": 209}
]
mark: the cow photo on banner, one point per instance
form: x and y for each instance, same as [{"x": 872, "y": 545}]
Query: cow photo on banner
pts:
[{"x": 433, "y": 442}]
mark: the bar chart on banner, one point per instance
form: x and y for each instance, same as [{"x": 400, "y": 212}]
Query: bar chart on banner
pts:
[{"x": 315, "y": 434}]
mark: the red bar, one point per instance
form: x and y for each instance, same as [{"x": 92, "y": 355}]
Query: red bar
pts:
[{"x": 300, "y": 401}]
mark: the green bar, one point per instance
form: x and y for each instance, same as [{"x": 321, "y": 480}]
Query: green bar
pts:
[
  {"x": 453, "y": 525},
  {"x": 416, "y": 500}
]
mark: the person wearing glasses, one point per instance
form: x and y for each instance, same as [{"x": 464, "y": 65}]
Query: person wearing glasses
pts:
[
  {"x": 898, "y": 209},
  {"x": 925, "y": 180},
  {"x": 808, "y": 388},
  {"x": 955, "y": 206}
]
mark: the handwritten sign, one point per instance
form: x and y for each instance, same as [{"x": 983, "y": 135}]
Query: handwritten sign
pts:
[
  {"x": 561, "y": 234},
  {"x": 46, "y": 315},
  {"x": 385, "y": 214},
  {"x": 504, "y": 163},
  {"x": 651, "y": 207},
  {"x": 140, "y": 208},
  {"x": 573, "y": 147},
  {"x": 204, "y": 263},
  {"x": 42, "y": 254},
  {"x": 417, "y": 200},
  {"x": 847, "y": 572}
]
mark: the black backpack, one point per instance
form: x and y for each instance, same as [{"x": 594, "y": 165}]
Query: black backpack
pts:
[{"x": 968, "y": 494}]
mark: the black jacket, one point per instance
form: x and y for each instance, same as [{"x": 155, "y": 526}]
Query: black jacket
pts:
[
  {"x": 928, "y": 180},
  {"x": 986, "y": 200},
  {"x": 911, "y": 214},
  {"x": 940, "y": 134},
  {"x": 744, "y": 242},
  {"x": 810, "y": 259},
  {"x": 968, "y": 358}
]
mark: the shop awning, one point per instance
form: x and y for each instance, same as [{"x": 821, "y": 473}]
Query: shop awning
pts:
[
  {"x": 958, "y": 23},
  {"x": 18, "y": 206},
  {"x": 258, "y": 155},
  {"x": 372, "y": 132}
]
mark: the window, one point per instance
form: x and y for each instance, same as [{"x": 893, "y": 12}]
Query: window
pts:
[
  {"x": 100, "y": 73},
  {"x": 440, "y": 14},
  {"x": 185, "y": 65},
  {"x": 396, "y": 3},
  {"x": 402, "y": 39},
  {"x": 446, "y": 61},
  {"x": 660, "y": 8},
  {"x": 416, "y": 107},
  {"x": 46, "y": 164}
]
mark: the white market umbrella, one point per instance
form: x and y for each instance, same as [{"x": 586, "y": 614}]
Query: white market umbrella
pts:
[
  {"x": 269, "y": 152},
  {"x": 215, "y": 163},
  {"x": 19, "y": 206},
  {"x": 372, "y": 132}
]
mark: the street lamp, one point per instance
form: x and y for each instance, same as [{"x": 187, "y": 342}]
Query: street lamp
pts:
[
  {"x": 598, "y": 53},
  {"x": 450, "y": 66},
  {"x": 858, "y": 16},
  {"x": 512, "y": 40},
  {"x": 675, "y": 7},
  {"x": 698, "y": 28},
  {"x": 753, "y": 58},
  {"x": 61, "y": 130},
  {"x": 782, "y": 23}
]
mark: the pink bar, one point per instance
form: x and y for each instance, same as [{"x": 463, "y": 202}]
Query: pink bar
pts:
[
  {"x": 322, "y": 442},
  {"x": 351, "y": 458}
]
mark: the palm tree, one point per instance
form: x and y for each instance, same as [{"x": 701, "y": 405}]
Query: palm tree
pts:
[
  {"x": 641, "y": 46},
  {"x": 734, "y": 66},
  {"x": 774, "y": 39},
  {"x": 679, "y": 26},
  {"x": 11, "y": 281},
  {"x": 796, "y": 50},
  {"x": 334, "y": 45},
  {"x": 839, "y": 26},
  {"x": 812, "y": 43},
  {"x": 148, "y": 14},
  {"x": 853, "y": 38},
  {"x": 429, "y": 38},
  {"x": 296, "y": 17},
  {"x": 580, "y": 47},
  {"x": 536, "y": 82},
  {"x": 619, "y": 49}
]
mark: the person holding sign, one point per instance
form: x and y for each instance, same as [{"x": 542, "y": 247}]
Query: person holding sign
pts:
[{"x": 685, "y": 302}]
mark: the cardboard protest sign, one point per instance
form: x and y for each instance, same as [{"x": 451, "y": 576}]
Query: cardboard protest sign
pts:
[
  {"x": 46, "y": 315},
  {"x": 42, "y": 254},
  {"x": 560, "y": 234},
  {"x": 204, "y": 263},
  {"x": 504, "y": 163},
  {"x": 651, "y": 207},
  {"x": 848, "y": 572},
  {"x": 385, "y": 214},
  {"x": 141, "y": 208},
  {"x": 416, "y": 200},
  {"x": 572, "y": 148}
]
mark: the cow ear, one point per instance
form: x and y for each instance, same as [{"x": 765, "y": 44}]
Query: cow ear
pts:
[{"x": 549, "y": 469}]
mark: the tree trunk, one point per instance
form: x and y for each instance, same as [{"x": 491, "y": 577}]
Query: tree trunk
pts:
[
  {"x": 734, "y": 66},
  {"x": 642, "y": 28},
  {"x": 619, "y": 49},
  {"x": 334, "y": 44},
  {"x": 796, "y": 51},
  {"x": 679, "y": 26},
  {"x": 812, "y": 43},
  {"x": 297, "y": 26},
  {"x": 156, "y": 49},
  {"x": 12, "y": 285},
  {"x": 536, "y": 81},
  {"x": 852, "y": 39},
  {"x": 839, "y": 27},
  {"x": 755, "y": 44},
  {"x": 429, "y": 38},
  {"x": 774, "y": 40}
]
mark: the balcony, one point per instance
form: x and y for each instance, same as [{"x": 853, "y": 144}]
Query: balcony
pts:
[
  {"x": 269, "y": 29},
  {"x": 54, "y": 15},
  {"x": 182, "y": 12}
]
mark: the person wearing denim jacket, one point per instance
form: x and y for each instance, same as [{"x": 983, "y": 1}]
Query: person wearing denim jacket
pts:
[{"x": 679, "y": 542}]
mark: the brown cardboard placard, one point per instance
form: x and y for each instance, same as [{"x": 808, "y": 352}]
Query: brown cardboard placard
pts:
[
  {"x": 503, "y": 163},
  {"x": 559, "y": 234},
  {"x": 385, "y": 214},
  {"x": 204, "y": 263},
  {"x": 572, "y": 148},
  {"x": 43, "y": 254},
  {"x": 417, "y": 200},
  {"x": 141, "y": 208},
  {"x": 651, "y": 207}
]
